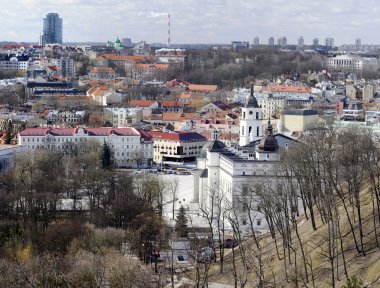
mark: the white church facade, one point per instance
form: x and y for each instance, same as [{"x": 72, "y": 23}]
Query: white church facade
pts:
[{"x": 224, "y": 173}]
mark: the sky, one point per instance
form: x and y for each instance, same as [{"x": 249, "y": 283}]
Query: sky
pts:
[{"x": 195, "y": 21}]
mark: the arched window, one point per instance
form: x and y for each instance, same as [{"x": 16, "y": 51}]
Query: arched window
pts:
[
  {"x": 249, "y": 130},
  {"x": 257, "y": 115}
]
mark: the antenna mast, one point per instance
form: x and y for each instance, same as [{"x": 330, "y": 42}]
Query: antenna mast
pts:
[{"x": 168, "y": 30}]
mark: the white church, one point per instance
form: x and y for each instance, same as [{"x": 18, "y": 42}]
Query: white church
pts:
[{"x": 223, "y": 173}]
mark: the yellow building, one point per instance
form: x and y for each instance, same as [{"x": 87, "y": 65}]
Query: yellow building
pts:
[{"x": 298, "y": 120}]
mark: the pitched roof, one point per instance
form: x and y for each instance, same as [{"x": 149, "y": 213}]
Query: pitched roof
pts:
[
  {"x": 128, "y": 58},
  {"x": 203, "y": 88},
  {"x": 141, "y": 103},
  {"x": 177, "y": 136},
  {"x": 185, "y": 95},
  {"x": 102, "y": 70},
  {"x": 171, "y": 103},
  {"x": 162, "y": 67},
  {"x": 286, "y": 88},
  {"x": 221, "y": 105},
  {"x": 98, "y": 91}
]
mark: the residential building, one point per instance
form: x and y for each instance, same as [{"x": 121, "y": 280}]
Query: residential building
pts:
[
  {"x": 147, "y": 105},
  {"x": 329, "y": 42},
  {"x": 300, "y": 44},
  {"x": 271, "y": 41},
  {"x": 239, "y": 45},
  {"x": 13, "y": 62},
  {"x": 128, "y": 146},
  {"x": 104, "y": 96},
  {"x": 282, "y": 42},
  {"x": 315, "y": 42},
  {"x": 123, "y": 117},
  {"x": 216, "y": 106},
  {"x": 256, "y": 41},
  {"x": 52, "y": 29},
  {"x": 179, "y": 147},
  {"x": 66, "y": 66},
  {"x": 350, "y": 110},
  {"x": 102, "y": 74}
]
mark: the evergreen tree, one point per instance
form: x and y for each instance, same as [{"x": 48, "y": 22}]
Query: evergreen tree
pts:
[
  {"x": 181, "y": 223},
  {"x": 106, "y": 156},
  {"x": 8, "y": 135}
]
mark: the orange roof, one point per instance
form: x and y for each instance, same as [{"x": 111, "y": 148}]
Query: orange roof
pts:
[
  {"x": 141, "y": 103},
  {"x": 98, "y": 91},
  {"x": 204, "y": 88},
  {"x": 127, "y": 58},
  {"x": 102, "y": 70},
  {"x": 171, "y": 116},
  {"x": 176, "y": 116},
  {"x": 284, "y": 88},
  {"x": 185, "y": 95},
  {"x": 162, "y": 67},
  {"x": 171, "y": 103}
]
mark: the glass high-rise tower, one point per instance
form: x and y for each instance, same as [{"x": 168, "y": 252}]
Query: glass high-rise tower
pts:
[{"x": 52, "y": 30}]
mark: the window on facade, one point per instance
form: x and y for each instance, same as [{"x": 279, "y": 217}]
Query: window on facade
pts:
[
  {"x": 258, "y": 222},
  {"x": 257, "y": 131},
  {"x": 257, "y": 115}
]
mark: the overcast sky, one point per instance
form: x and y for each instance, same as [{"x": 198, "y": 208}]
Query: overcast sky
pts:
[{"x": 195, "y": 21}]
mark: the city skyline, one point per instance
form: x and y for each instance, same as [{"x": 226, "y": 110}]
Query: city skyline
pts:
[{"x": 221, "y": 21}]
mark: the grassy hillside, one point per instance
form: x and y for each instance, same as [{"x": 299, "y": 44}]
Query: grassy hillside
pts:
[{"x": 316, "y": 248}]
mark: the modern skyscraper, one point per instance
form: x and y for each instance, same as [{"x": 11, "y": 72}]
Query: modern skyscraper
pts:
[
  {"x": 329, "y": 42},
  {"x": 300, "y": 43},
  {"x": 271, "y": 41},
  {"x": 256, "y": 41},
  {"x": 52, "y": 30},
  {"x": 315, "y": 42},
  {"x": 282, "y": 41}
]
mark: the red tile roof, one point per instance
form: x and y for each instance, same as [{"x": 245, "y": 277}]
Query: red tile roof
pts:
[
  {"x": 285, "y": 88},
  {"x": 203, "y": 88},
  {"x": 141, "y": 103},
  {"x": 128, "y": 58},
  {"x": 171, "y": 103},
  {"x": 102, "y": 70}
]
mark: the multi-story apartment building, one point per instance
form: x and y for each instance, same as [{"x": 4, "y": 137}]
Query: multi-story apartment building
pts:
[
  {"x": 66, "y": 66},
  {"x": 123, "y": 117},
  {"x": 14, "y": 63},
  {"x": 275, "y": 98},
  {"x": 129, "y": 146},
  {"x": 176, "y": 146}
]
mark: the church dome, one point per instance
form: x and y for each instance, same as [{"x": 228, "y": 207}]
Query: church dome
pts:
[{"x": 268, "y": 142}]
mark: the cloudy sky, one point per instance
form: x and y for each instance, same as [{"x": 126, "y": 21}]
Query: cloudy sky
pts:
[{"x": 195, "y": 21}]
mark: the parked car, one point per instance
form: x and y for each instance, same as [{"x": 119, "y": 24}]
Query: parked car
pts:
[{"x": 230, "y": 243}]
